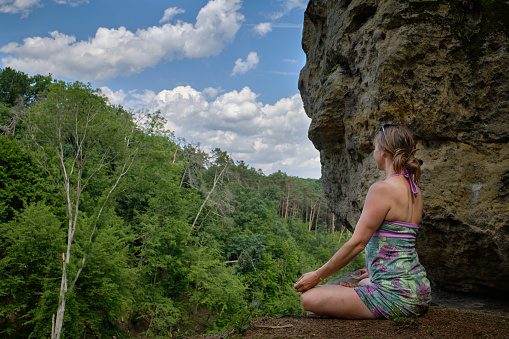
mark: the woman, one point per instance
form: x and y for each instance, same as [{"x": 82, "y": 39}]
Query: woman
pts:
[{"x": 386, "y": 230}]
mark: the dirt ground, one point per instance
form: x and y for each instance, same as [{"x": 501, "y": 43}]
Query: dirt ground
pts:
[{"x": 439, "y": 322}]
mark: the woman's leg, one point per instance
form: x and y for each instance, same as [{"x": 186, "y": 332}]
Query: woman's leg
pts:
[{"x": 335, "y": 301}]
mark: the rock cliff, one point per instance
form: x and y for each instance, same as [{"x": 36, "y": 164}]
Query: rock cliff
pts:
[{"x": 441, "y": 68}]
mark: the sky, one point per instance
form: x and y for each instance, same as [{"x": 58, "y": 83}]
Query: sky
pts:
[{"x": 223, "y": 73}]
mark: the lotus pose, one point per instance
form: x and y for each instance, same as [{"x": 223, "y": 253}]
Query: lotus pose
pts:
[{"x": 386, "y": 230}]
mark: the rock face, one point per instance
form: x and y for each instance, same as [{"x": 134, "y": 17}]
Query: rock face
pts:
[{"x": 441, "y": 68}]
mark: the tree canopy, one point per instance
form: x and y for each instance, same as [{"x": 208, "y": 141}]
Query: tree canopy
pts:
[{"x": 110, "y": 225}]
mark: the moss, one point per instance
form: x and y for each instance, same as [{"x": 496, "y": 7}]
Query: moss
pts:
[
  {"x": 332, "y": 4},
  {"x": 332, "y": 71},
  {"x": 471, "y": 21}
]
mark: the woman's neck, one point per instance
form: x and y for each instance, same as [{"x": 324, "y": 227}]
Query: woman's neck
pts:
[{"x": 389, "y": 168}]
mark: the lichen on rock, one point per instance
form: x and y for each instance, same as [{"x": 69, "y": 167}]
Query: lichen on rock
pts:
[{"x": 440, "y": 68}]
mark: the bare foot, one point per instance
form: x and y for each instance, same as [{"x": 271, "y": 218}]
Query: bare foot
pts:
[{"x": 347, "y": 284}]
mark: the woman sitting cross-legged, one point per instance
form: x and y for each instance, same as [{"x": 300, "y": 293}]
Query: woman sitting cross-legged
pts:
[{"x": 386, "y": 229}]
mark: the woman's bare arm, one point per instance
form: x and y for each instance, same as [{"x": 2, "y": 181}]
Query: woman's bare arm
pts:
[{"x": 375, "y": 209}]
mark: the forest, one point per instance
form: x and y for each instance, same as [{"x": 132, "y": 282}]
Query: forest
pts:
[{"x": 110, "y": 225}]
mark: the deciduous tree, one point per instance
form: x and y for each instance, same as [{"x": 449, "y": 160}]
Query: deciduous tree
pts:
[{"x": 73, "y": 133}]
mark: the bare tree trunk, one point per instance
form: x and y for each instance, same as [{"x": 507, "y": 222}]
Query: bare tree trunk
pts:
[
  {"x": 311, "y": 217},
  {"x": 317, "y": 216},
  {"x": 56, "y": 326},
  {"x": 175, "y": 155},
  {"x": 333, "y": 228},
  {"x": 287, "y": 201},
  {"x": 216, "y": 179},
  {"x": 70, "y": 235},
  {"x": 127, "y": 166},
  {"x": 341, "y": 234},
  {"x": 211, "y": 210},
  {"x": 183, "y": 176}
]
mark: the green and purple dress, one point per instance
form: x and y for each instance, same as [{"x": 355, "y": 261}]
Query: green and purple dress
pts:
[{"x": 398, "y": 283}]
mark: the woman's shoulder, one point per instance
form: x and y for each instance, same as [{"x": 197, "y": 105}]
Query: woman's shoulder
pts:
[
  {"x": 380, "y": 187},
  {"x": 381, "y": 191},
  {"x": 396, "y": 187}
]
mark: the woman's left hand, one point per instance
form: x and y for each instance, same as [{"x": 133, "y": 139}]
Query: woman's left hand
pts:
[{"x": 307, "y": 281}]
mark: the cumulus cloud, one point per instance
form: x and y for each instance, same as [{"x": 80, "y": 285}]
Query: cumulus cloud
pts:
[
  {"x": 242, "y": 67},
  {"x": 263, "y": 28},
  {"x": 114, "y": 52},
  {"x": 169, "y": 13},
  {"x": 115, "y": 97},
  {"x": 267, "y": 137}
]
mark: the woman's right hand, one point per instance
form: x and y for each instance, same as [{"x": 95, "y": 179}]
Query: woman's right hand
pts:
[{"x": 307, "y": 281}]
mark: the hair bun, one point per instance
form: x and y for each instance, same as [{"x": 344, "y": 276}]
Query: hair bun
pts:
[{"x": 400, "y": 144}]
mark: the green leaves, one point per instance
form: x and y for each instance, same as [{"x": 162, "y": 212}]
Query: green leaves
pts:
[
  {"x": 160, "y": 235},
  {"x": 31, "y": 248}
]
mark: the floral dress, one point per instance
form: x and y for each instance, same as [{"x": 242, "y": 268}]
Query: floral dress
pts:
[{"x": 398, "y": 283}]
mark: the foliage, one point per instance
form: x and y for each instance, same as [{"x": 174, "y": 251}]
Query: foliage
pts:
[
  {"x": 30, "y": 247},
  {"x": 21, "y": 181},
  {"x": 156, "y": 236},
  {"x": 240, "y": 321},
  {"x": 16, "y": 85}
]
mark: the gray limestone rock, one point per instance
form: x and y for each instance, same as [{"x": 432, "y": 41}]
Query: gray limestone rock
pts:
[{"x": 440, "y": 68}]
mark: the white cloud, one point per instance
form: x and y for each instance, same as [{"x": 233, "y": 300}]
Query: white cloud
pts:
[
  {"x": 18, "y": 6},
  {"x": 169, "y": 13},
  {"x": 263, "y": 28},
  {"x": 141, "y": 99},
  {"x": 212, "y": 92},
  {"x": 242, "y": 67},
  {"x": 291, "y": 4},
  {"x": 25, "y": 6},
  {"x": 114, "y": 52},
  {"x": 136, "y": 100},
  {"x": 115, "y": 98},
  {"x": 267, "y": 137},
  {"x": 72, "y": 3}
]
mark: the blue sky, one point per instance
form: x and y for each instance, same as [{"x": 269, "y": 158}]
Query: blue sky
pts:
[{"x": 223, "y": 72}]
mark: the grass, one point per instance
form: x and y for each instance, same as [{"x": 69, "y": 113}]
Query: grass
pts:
[{"x": 403, "y": 321}]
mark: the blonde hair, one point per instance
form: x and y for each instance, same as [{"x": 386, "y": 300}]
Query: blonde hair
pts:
[{"x": 399, "y": 143}]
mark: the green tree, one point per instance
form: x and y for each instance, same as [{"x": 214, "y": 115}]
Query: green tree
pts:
[
  {"x": 13, "y": 86},
  {"x": 30, "y": 246},
  {"x": 74, "y": 134},
  {"x": 21, "y": 181}
]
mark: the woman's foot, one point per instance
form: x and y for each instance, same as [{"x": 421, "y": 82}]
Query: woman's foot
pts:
[{"x": 348, "y": 284}]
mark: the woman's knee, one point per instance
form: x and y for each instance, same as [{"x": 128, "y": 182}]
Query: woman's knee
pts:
[{"x": 308, "y": 300}]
